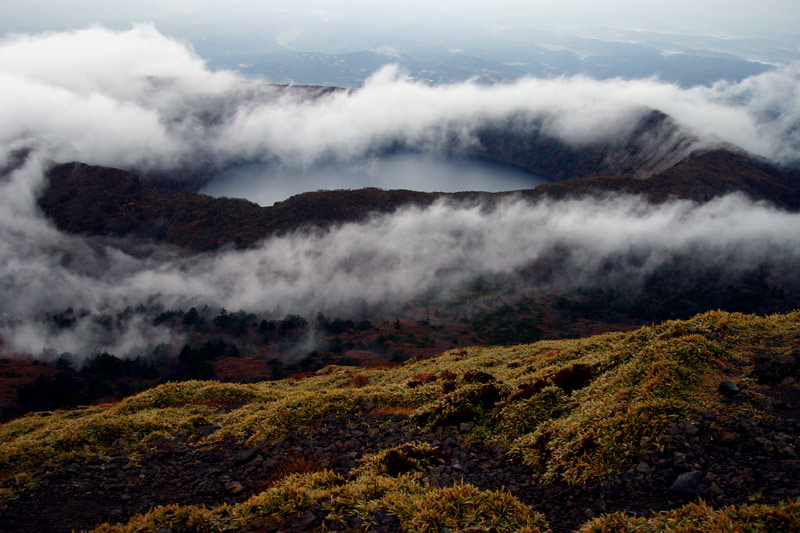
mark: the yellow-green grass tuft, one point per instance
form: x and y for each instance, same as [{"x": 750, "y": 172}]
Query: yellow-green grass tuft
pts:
[
  {"x": 701, "y": 517},
  {"x": 416, "y": 505},
  {"x": 571, "y": 409}
]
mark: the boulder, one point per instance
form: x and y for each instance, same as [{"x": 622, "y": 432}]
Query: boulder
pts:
[
  {"x": 728, "y": 389},
  {"x": 689, "y": 485}
]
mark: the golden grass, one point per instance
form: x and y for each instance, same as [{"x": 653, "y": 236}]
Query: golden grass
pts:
[
  {"x": 418, "y": 506},
  {"x": 658, "y": 373},
  {"x": 701, "y": 517},
  {"x": 515, "y": 396}
]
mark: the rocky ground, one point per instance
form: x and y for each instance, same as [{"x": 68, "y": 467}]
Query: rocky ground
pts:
[{"x": 724, "y": 461}]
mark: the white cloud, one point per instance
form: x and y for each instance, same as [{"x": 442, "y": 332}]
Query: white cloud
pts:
[
  {"x": 137, "y": 98},
  {"x": 388, "y": 259}
]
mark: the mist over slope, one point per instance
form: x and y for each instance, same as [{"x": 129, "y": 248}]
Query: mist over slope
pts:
[
  {"x": 141, "y": 101},
  {"x": 381, "y": 261}
]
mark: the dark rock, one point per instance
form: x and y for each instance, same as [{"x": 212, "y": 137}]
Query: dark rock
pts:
[
  {"x": 299, "y": 521},
  {"x": 234, "y": 487},
  {"x": 689, "y": 485},
  {"x": 245, "y": 456},
  {"x": 688, "y": 429},
  {"x": 772, "y": 370},
  {"x": 727, "y": 438},
  {"x": 204, "y": 431},
  {"x": 381, "y": 520},
  {"x": 781, "y": 405},
  {"x": 728, "y": 389},
  {"x": 766, "y": 445},
  {"x": 742, "y": 397},
  {"x": 466, "y": 427}
]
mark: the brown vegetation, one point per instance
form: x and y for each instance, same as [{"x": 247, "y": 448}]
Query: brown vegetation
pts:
[{"x": 96, "y": 200}]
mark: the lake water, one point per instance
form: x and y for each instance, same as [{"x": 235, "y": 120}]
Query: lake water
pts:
[{"x": 267, "y": 183}]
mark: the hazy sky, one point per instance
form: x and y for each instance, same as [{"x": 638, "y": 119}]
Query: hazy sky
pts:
[{"x": 334, "y": 26}]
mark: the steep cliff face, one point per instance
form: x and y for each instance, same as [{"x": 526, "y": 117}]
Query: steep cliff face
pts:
[
  {"x": 700, "y": 177},
  {"x": 654, "y": 144}
]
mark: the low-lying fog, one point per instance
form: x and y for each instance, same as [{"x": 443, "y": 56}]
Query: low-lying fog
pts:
[
  {"x": 138, "y": 99},
  {"x": 266, "y": 183}
]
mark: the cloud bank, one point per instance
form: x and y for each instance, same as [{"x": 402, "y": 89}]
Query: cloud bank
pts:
[
  {"x": 384, "y": 261},
  {"x": 138, "y": 99}
]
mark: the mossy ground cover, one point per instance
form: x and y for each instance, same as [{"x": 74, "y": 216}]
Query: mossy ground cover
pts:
[
  {"x": 372, "y": 487},
  {"x": 571, "y": 410},
  {"x": 700, "y": 517}
]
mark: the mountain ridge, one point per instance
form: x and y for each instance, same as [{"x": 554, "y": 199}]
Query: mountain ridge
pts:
[{"x": 94, "y": 200}]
